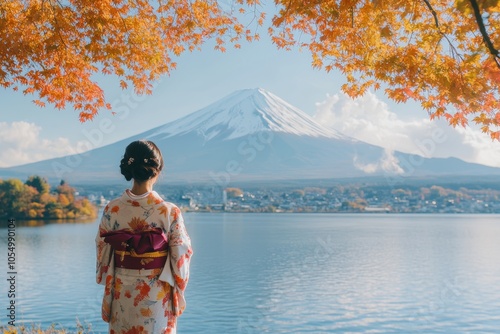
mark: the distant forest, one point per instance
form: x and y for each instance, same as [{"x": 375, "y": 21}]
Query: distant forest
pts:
[{"x": 35, "y": 199}]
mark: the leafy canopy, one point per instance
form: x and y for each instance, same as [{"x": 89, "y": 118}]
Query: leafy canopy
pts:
[{"x": 443, "y": 54}]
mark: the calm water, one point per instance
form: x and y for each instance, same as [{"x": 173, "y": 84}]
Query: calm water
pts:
[{"x": 289, "y": 273}]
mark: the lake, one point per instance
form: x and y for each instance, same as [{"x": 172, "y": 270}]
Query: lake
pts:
[{"x": 286, "y": 273}]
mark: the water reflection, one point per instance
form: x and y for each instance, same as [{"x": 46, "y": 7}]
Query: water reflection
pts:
[
  {"x": 43, "y": 222},
  {"x": 289, "y": 273}
]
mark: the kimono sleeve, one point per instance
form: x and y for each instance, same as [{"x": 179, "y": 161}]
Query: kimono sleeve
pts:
[
  {"x": 104, "y": 251},
  {"x": 180, "y": 251}
]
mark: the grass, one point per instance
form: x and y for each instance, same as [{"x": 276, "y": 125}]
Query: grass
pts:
[{"x": 36, "y": 329}]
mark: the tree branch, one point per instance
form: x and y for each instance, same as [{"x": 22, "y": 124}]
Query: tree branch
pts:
[
  {"x": 434, "y": 14},
  {"x": 436, "y": 21},
  {"x": 484, "y": 33}
]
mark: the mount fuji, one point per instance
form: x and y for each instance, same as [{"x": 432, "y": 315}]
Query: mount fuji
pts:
[{"x": 250, "y": 135}]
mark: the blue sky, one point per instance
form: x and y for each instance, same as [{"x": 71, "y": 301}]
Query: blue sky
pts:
[
  {"x": 200, "y": 79},
  {"x": 29, "y": 133}
]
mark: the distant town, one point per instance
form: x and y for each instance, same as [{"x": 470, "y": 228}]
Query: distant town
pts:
[{"x": 341, "y": 198}]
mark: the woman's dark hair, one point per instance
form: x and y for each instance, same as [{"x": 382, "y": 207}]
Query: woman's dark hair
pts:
[{"x": 142, "y": 161}]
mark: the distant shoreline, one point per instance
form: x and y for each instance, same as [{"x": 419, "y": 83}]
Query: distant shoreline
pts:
[{"x": 44, "y": 221}]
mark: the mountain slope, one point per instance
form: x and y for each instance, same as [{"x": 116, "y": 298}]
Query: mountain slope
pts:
[
  {"x": 243, "y": 113},
  {"x": 249, "y": 135}
]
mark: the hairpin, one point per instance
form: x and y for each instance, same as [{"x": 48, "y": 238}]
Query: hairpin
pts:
[
  {"x": 146, "y": 160},
  {"x": 130, "y": 160}
]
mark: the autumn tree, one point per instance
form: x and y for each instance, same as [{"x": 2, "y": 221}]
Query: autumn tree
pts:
[
  {"x": 234, "y": 192},
  {"x": 442, "y": 54},
  {"x": 39, "y": 183},
  {"x": 33, "y": 199},
  {"x": 66, "y": 193},
  {"x": 15, "y": 197},
  {"x": 53, "y": 48}
]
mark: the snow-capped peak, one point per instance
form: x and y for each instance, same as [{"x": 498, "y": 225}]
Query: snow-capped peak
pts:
[{"x": 246, "y": 112}]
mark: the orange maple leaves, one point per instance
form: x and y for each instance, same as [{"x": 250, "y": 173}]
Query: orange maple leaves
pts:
[
  {"x": 55, "y": 49},
  {"x": 438, "y": 53},
  {"x": 138, "y": 224},
  {"x": 143, "y": 292},
  {"x": 428, "y": 51}
]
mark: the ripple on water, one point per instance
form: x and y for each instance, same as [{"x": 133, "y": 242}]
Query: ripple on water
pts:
[{"x": 293, "y": 274}]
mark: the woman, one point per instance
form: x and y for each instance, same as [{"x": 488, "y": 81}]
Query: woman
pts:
[{"x": 143, "y": 251}]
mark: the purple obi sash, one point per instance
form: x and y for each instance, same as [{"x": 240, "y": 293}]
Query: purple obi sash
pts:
[{"x": 138, "y": 249}]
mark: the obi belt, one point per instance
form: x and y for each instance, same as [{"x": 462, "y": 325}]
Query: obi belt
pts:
[{"x": 138, "y": 249}]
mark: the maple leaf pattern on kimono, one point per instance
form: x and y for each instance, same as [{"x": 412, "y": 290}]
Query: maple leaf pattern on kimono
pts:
[{"x": 151, "y": 298}]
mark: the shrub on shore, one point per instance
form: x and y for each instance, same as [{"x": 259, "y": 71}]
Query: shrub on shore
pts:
[
  {"x": 34, "y": 199},
  {"x": 53, "y": 329}
]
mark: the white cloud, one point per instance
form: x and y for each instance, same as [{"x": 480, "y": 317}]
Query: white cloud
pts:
[
  {"x": 369, "y": 119},
  {"x": 388, "y": 163},
  {"x": 21, "y": 143}
]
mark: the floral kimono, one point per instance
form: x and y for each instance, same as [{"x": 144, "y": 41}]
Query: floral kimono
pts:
[{"x": 143, "y": 256}]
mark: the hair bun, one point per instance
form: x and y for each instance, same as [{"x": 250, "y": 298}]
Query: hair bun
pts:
[{"x": 142, "y": 161}]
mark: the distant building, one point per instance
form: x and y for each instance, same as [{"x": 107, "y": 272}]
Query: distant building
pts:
[
  {"x": 186, "y": 202},
  {"x": 377, "y": 209},
  {"x": 224, "y": 197}
]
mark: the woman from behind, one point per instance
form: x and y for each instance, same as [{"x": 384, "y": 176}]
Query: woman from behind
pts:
[{"x": 143, "y": 251}]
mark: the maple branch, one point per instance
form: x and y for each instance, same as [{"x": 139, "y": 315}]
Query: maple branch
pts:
[
  {"x": 484, "y": 33},
  {"x": 57, "y": 28},
  {"x": 352, "y": 16},
  {"x": 434, "y": 14},
  {"x": 436, "y": 21},
  {"x": 454, "y": 51}
]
